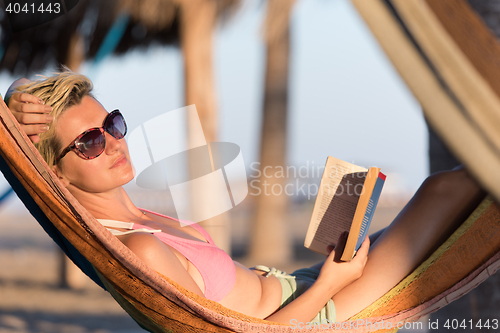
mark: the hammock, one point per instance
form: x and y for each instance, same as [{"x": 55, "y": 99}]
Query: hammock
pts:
[
  {"x": 158, "y": 304},
  {"x": 451, "y": 62}
]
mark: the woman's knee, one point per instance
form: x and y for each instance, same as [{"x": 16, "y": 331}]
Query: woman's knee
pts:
[{"x": 449, "y": 183}]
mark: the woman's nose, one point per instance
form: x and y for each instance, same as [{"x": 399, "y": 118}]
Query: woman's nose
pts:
[{"x": 112, "y": 144}]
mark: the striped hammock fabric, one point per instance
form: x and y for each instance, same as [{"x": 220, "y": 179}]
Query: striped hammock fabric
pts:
[{"x": 450, "y": 60}]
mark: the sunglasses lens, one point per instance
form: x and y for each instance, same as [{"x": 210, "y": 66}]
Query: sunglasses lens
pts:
[
  {"x": 91, "y": 144},
  {"x": 115, "y": 125}
]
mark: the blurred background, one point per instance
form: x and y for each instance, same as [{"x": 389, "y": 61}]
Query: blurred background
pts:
[{"x": 290, "y": 82}]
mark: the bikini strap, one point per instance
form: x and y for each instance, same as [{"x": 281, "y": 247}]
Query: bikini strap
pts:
[
  {"x": 116, "y": 224},
  {"x": 203, "y": 232},
  {"x": 124, "y": 225}
]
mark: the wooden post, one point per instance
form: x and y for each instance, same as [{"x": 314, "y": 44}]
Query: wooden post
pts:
[
  {"x": 198, "y": 18},
  {"x": 270, "y": 241}
]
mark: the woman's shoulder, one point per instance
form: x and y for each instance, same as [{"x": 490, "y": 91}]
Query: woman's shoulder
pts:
[
  {"x": 148, "y": 247},
  {"x": 161, "y": 258},
  {"x": 144, "y": 245}
]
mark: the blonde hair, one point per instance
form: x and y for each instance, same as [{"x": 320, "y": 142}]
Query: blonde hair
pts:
[{"x": 61, "y": 91}]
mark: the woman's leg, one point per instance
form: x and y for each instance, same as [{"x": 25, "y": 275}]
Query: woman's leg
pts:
[{"x": 441, "y": 204}]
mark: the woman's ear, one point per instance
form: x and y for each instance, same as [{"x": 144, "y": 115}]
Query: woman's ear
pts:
[{"x": 57, "y": 170}]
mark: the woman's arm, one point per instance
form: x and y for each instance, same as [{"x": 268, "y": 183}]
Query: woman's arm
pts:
[
  {"x": 29, "y": 111},
  {"x": 333, "y": 277}
]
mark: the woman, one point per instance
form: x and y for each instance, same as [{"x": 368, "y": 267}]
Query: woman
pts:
[{"x": 84, "y": 146}]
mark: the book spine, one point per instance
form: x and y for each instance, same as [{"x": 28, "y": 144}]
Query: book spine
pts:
[{"x": 370, "y": 210}]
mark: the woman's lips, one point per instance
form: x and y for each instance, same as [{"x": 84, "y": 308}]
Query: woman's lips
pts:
[{"x": 119, "y": 162}]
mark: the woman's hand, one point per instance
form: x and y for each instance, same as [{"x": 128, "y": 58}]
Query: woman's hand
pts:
[
  {"x": 337, "y": 274},
  {"x": 29, "y": 111},
  {"x": 334, "y": 276}
]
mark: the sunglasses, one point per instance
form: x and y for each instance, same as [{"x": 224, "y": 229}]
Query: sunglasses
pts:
[{"x": 91, "y": 143}]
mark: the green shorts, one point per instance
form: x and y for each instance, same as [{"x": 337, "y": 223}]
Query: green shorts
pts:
[{"x": 295, "y": 284}]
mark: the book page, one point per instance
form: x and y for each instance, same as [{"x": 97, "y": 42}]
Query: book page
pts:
[
  {"x": 335, "y": 170},
  {"x": 338, "y": 216}
]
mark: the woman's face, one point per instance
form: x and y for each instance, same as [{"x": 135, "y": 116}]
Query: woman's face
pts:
[{"x": 109, "y": 170}]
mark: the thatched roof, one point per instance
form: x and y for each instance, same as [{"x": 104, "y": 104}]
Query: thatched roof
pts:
[
  {"x": 149, "y": 22},
  {"x": 33, "y": 49},
  {"x": 141, "y": 30},
  {"x": 154, "y": 21}
]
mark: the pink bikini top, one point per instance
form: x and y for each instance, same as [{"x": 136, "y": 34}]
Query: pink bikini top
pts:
[{"x": 215, "y": 266}]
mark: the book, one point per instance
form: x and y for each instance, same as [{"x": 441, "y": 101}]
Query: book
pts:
[{"x": 347, "y": 197}]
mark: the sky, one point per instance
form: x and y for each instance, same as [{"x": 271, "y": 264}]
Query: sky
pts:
[{"x": 345, "y": 98}]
